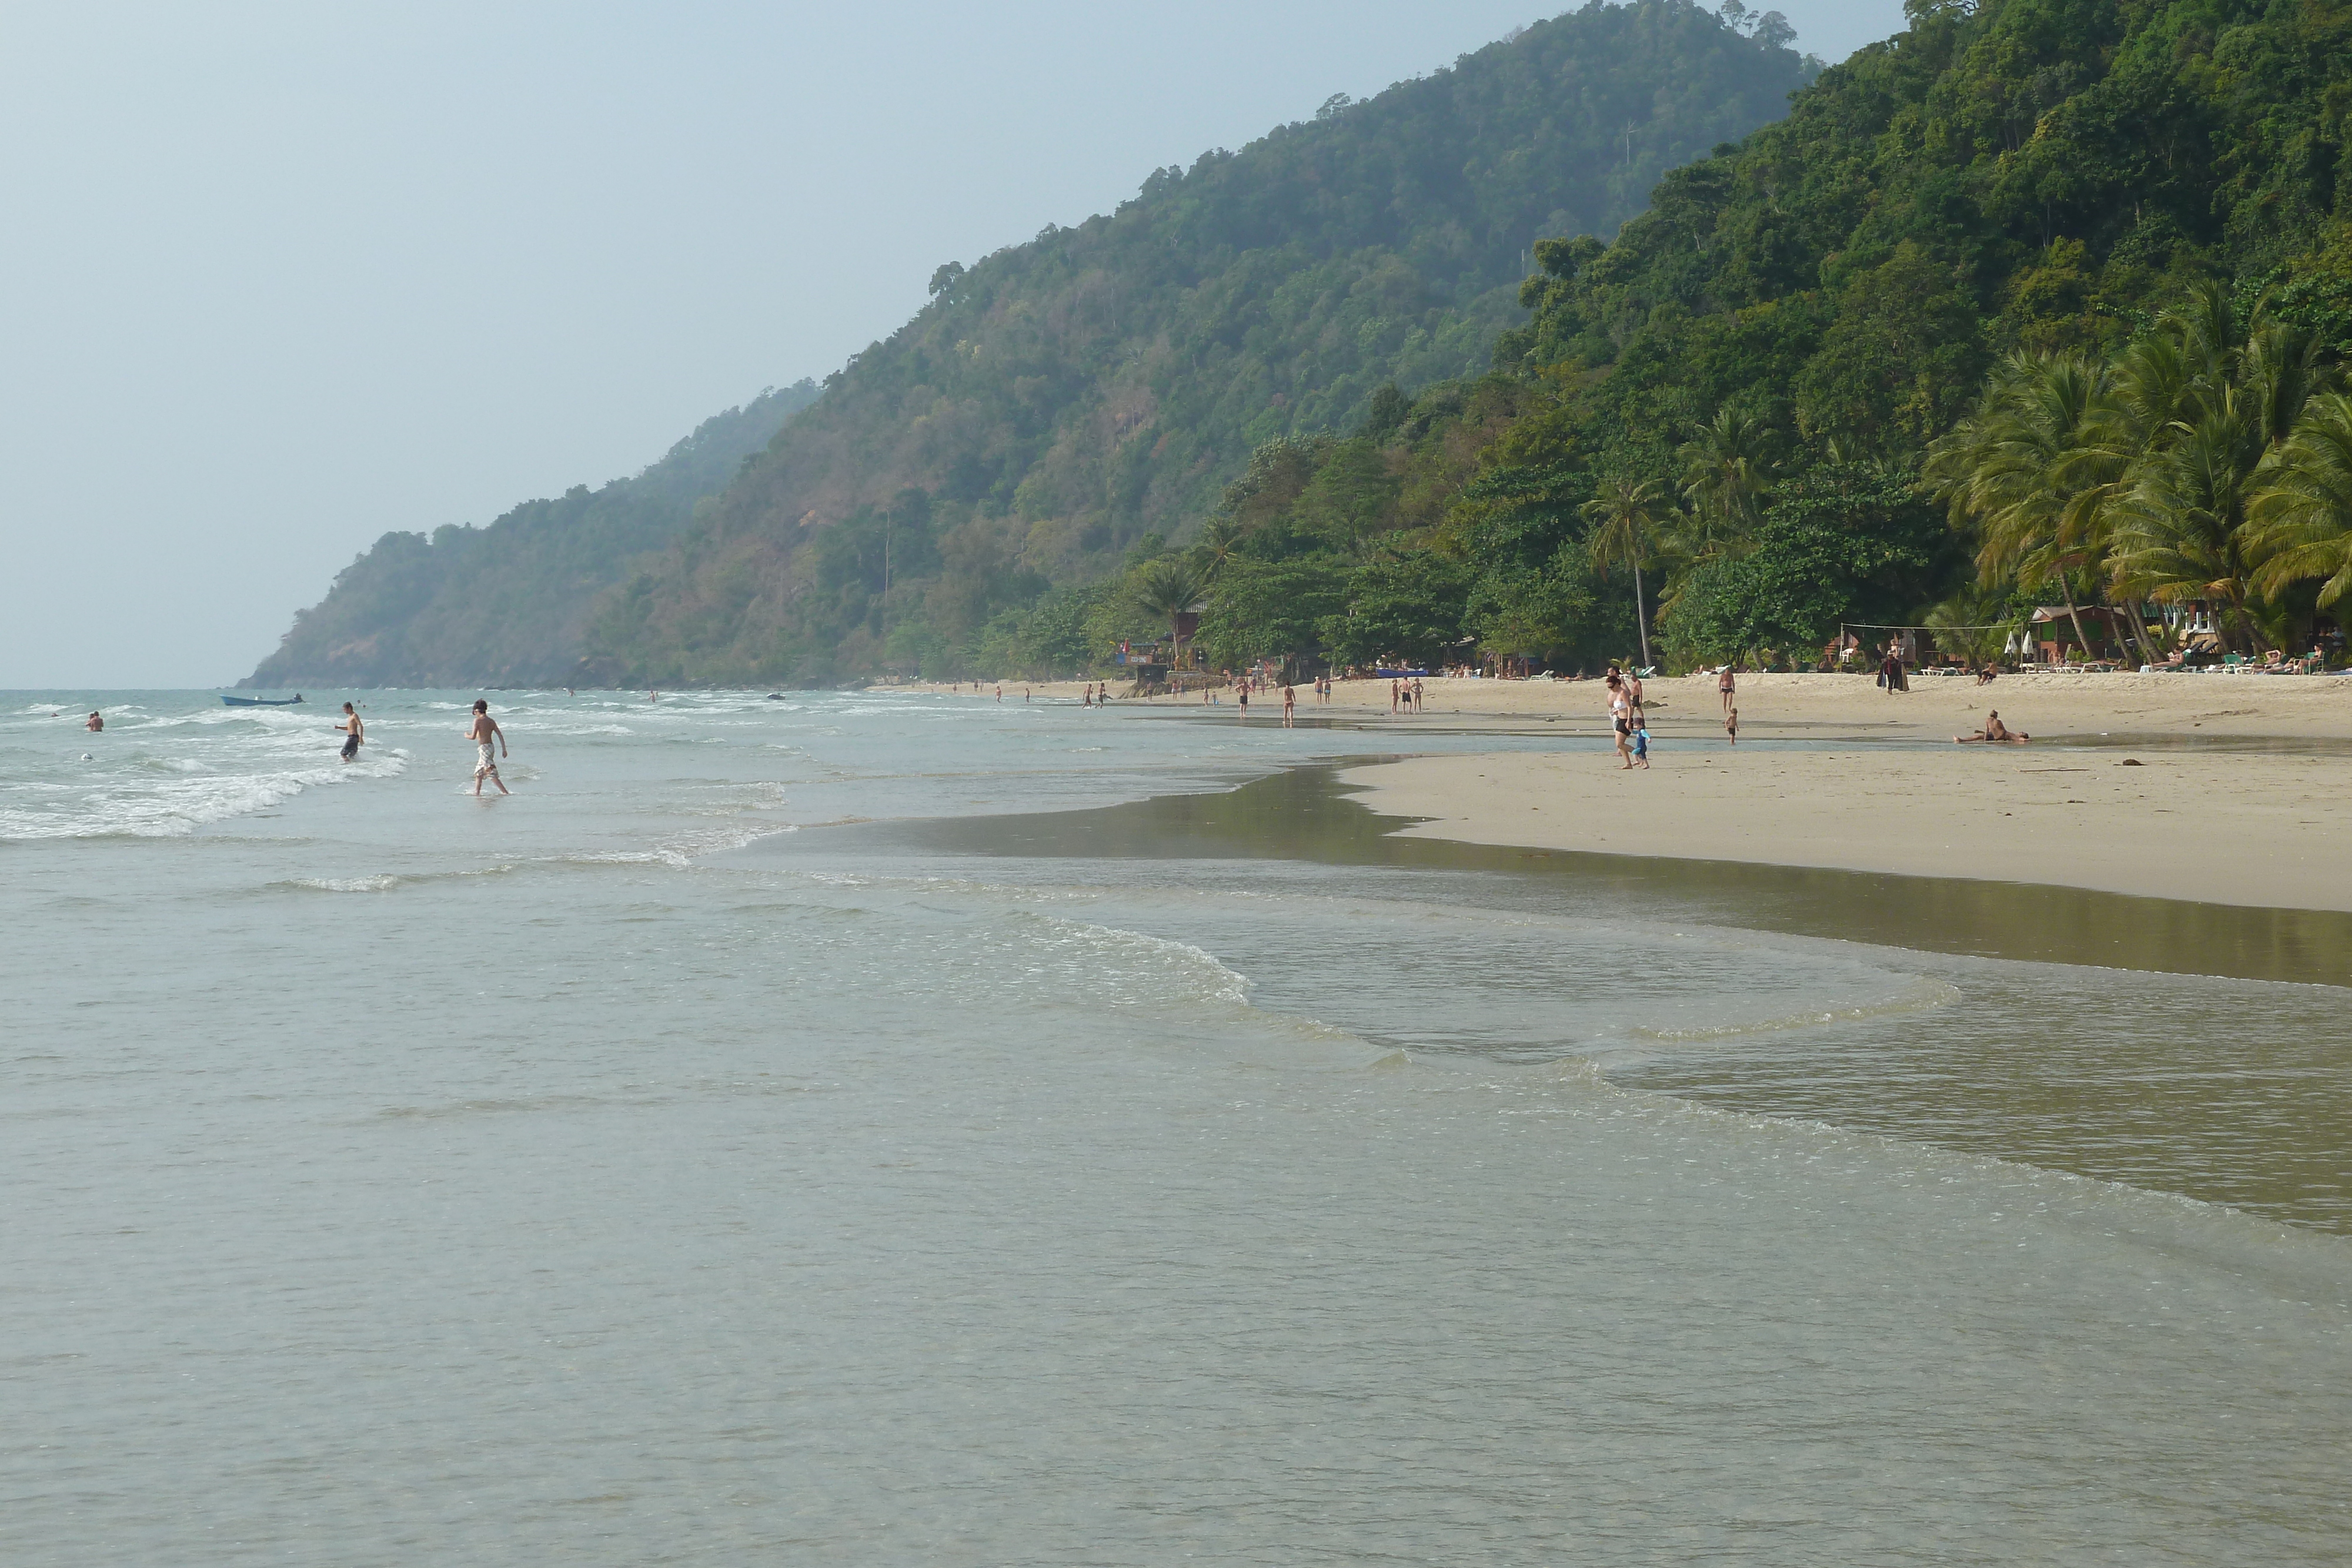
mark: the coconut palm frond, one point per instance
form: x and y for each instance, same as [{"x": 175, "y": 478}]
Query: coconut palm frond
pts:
[{"x": 2299, "y": 526}]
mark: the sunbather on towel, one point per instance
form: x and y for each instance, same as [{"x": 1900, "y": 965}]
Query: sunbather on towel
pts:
[{"x": 1995, "y": 732}]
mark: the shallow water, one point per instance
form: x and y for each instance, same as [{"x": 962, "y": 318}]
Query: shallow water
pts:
[{"x": 637, "y": 1171}]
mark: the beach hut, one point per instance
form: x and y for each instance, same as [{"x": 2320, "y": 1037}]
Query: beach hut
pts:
[{"x": 2053, "y": 632}]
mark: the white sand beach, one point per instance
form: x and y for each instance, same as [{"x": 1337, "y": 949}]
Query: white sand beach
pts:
[{"x": 2225, "y": 788}]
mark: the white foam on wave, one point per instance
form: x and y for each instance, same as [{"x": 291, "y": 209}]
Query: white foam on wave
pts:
[
  {"x": 1206, "y": 999},
  {"x": 685, "y": 850},
  {"x": 138, "y": 798}
]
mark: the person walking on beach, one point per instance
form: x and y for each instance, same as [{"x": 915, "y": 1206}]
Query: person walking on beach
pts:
[
  {"x": 353, "y": 732},
  {"x": 1633, "y": 691},
  {"x": 1731, "y": 725},
  {"x": 490, "y": 742},
  {"x": 1244, "y": 702},
  {"x": 1641, "y": 738},
  {"x": 1727, "y": 687},
  {"x": 1621, "y": 718},
  {"x": 1289, "y": 706}
]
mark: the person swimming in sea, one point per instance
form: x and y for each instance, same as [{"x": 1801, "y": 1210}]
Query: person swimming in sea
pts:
[
  {"x": 94, "y": 723},
  {"x": 353, "y": 731},
  {"x": 485, "y": 733}
]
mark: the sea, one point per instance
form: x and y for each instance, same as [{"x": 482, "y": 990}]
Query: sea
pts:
[{"x": 883, "y": 1127}]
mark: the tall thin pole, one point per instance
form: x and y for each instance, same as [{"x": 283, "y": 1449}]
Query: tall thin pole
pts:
[{"x": 1641, "y": 616}]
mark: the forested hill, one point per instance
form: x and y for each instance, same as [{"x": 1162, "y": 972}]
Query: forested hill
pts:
[
  {"x": 504, "y": 605},
  {"x": 2038, "y": 303},
  {"x": 1059, "y": 399}
]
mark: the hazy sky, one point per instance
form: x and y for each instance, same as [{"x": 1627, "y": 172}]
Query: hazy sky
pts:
[{"x": 275, "y": 279}]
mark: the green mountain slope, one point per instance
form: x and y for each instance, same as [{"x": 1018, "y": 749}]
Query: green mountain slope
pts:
[
  {"x": 2033, "y": 177},
  {"x": 1760, "y": 380},
  {"x": 505, "y": 605},
  {"x": 1060, "y": 398}
]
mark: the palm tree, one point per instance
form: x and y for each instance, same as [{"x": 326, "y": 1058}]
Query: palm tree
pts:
[
  {"x": 2032, "y": 467},
  {"x": 1965, "y": 625},
  {"x": 2180, "y": 528},
  {"x": 1168, "y": 587},
  {"x": 2139, "y": 473},
  {"x": 2301, "y": 523},
  {"x": 1221, "y": 542},
  {"x": 1723, "y": 477},
  {"x": 2186, "y": 528},
  {"x": 1625, "y": 517}
]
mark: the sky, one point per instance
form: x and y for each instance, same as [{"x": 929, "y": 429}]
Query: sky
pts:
[{"x": 277, "y": 280}]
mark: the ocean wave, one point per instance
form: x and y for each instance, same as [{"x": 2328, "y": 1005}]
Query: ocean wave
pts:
[
  {"x": 145, "y": 800},
  {"x": 1926, "y": 996},
  {"x": 683, "y": 849},
  {"x": 1136, "y": 967}
]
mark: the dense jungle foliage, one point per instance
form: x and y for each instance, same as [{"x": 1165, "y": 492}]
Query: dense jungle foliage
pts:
[
  {"x": 2041, "y": 302},
  {"x": 505, "y": 605},
  {"x": 1060, "y": 401}
]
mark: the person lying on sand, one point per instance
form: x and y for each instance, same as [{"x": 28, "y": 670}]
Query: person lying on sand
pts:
[{"x": 1994, "y": 731}]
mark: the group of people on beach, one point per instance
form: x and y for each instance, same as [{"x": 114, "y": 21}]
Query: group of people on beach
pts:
[
  {"x": 1404, "y": 695},
  {"x": 1629, "y": 719},
  {"x": 1628, "y": 724}
]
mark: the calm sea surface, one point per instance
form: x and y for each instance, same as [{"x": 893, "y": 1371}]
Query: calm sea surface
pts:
[{"x": 839, "y": 1131}]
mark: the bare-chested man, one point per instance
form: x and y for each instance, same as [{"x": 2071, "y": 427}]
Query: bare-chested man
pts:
[
  {"x": 1995, "y": 732},
  {"x": 491, "y": 744},
  {"x": 355, "y": 732}
]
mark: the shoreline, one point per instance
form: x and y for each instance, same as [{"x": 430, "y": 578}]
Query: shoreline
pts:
[
  {"x": 2209, "y": 789},
  {"x": 2050, "y": 707},
  {"x": 1306, "y": 813}
]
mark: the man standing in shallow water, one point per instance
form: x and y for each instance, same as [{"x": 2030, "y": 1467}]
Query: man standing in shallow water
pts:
[{"x": 485, "y": 733}]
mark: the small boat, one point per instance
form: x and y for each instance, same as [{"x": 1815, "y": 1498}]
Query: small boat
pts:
[{"x": 227, "y": 701}]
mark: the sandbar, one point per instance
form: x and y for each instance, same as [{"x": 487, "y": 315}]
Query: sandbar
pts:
[{"x": 2219, "y": 788}]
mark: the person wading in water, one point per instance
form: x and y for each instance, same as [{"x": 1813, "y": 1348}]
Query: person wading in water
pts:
[{"x": 486, "y": 735}]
